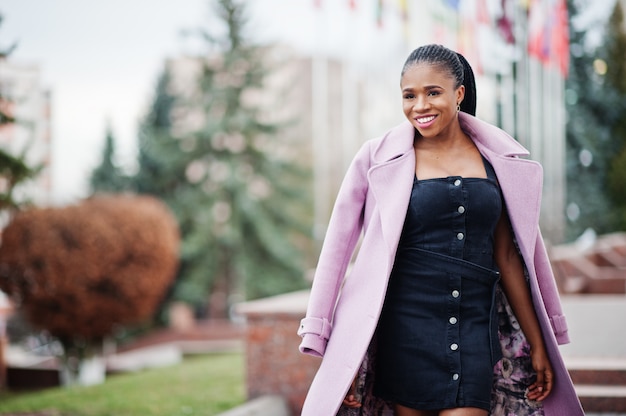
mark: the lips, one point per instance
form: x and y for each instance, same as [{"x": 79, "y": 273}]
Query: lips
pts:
[{"x": 425, "y": 121}]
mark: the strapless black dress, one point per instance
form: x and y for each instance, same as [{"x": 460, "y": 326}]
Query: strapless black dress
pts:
[{"x": 437, "y": 339}]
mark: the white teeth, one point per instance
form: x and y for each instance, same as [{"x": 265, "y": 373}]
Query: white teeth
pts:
[{"x": 425, "y": 119}]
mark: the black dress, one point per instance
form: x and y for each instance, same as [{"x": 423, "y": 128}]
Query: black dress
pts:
[{"x": 437, "y": 335}]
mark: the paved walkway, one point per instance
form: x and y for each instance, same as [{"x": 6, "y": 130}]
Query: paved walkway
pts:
[{"x": 597, "y": 327}]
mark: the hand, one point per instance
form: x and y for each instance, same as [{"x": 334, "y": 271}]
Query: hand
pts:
[
  {"x": 542, "y": 387},
  {"x": 351, "y": 399}
]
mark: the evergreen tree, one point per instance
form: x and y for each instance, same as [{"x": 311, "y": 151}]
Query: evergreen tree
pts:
[
  {"x": 160, "y": 170},
  {"x": 5, "y": 116},
  {"x": 14, "y": 170},
  {"x": 107, "y": 177},
  {"x": 614, "y": 53},
  {"x": 242, "y": 208},
  {"x": 159, "y": 157},
  {"x": 590, "y": 144}
]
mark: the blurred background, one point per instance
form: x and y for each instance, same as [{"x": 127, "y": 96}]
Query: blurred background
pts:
[{"x": 193, "y": 150}]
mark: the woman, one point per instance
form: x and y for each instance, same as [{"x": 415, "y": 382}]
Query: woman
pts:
[{"x": 450, "y": 307}]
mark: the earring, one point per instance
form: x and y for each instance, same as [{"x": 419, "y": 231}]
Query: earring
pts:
[{"x": 458, "y": 107}]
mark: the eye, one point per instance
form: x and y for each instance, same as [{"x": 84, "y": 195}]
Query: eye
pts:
[
  {"x": 408, "y": 96},
  {"x": 433, "y": 93}
]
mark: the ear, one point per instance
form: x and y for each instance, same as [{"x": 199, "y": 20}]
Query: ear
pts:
[{"x": 460, "y": 94}]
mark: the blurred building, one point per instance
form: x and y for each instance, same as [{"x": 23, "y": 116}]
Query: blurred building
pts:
[
  {"x": 25, "y": 99},
  {"x": 343, "y": 89},
  {"x": 336, "y": 105},
  {"x": 520, "y": 53},
  {"x": 518, "y": 49}
]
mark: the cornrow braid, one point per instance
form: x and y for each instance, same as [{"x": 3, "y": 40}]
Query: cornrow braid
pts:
[
  {"x": 452, "y": 62},
  {"x": 468, "y": 105}
]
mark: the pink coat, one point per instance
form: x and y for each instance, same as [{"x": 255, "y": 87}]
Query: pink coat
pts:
[{"x": 373, "y": 200}]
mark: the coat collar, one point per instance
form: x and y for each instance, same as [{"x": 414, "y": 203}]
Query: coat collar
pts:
[
  {"x": 397, "y": 142},
  {"x": 393, "y": 171},
  {"x": 515, "y": 174},
  {"x": 399, "y": 139},
  {"x": 391, "y": 179},
  {"x": 488, "y": 136}
]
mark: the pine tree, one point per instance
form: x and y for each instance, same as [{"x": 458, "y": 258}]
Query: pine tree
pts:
[
  {"x": 160, "y": 173},
  {"x": 614, "y": 52},
  {"x": 242, "y": 207},
  {"x": 159, "y": 165},
  {"x": 5, "y": 116},
  {"x": 107, "y": 177},
  {"x": 242, "y": 242},
  {"x": 590, "y": 144},
  {"x": 14, "y": 170}
]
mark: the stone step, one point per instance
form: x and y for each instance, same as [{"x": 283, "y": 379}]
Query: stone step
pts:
[
  {"x": 600, "y": 383},
  {"x": 602, "y": 399},
  {"x": 597, "y": 371}
]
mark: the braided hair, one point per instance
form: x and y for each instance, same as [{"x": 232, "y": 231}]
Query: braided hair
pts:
[{"x": 452, "y": 62}]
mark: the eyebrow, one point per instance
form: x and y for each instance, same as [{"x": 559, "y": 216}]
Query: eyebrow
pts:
[{"x": 427, "y": 87}]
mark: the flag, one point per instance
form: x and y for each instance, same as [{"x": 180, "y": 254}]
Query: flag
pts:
[
  {"x": 538, "y": 27},
  {"x": 379, "y": 13},
  {"x": 505, "y": 23},
  {"x": 473, "y": 18},
  {"x": 548, "y": 33},
  {"x": 403, "y": 9},
  {"x": 525, "y": 4},
  {"x": 559, "y": 41},
  {"x": 452, "y": 3},
  {"x": 482, "y": 12}
]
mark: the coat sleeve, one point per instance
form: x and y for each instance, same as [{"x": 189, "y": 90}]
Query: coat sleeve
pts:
[
  {"x": 344, "y": 230},
  {"x": 550, "y": 293}
]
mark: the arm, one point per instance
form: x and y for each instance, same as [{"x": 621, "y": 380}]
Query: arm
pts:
[
  {"x": 518, "y": 294},
  {"x": 343, "y": 232}
]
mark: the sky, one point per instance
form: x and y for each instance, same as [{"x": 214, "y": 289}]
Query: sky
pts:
[{"x": 101, "y": 60}]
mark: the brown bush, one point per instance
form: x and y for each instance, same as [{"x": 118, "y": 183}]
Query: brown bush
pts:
[{"x": 83, "y": 270}]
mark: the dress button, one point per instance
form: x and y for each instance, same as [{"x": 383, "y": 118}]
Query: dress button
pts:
[
  {"x": 461, "y": 209},
  {"x": 452, "y": 320},
  {"x": 455, "y": 293},
  {"x": 460, "y": 236},
  {"x": 455, "y": 376},
  {"x": 454, "y": 347},
  {"x": 457, "y": 182}
]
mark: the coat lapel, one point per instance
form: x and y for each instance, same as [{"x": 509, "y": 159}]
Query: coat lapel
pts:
[
  {"x": 393, "y": 171},
  {"x": 520, "y": 179},
  {"x": 520, "y": 182},
  {"x": 391, "y": 180}
]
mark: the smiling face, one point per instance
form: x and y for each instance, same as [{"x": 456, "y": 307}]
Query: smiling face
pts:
[{"x": 430, "y": 98}]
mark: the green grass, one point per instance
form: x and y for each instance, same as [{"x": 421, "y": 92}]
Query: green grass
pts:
[{"x": 199, "y": 386}]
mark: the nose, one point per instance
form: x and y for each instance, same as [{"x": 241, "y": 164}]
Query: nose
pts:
[{"x": 420, "y": 104}]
